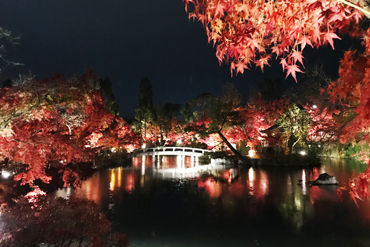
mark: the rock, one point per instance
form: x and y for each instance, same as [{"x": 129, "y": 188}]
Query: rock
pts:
[{"x": 324, "y": 179}]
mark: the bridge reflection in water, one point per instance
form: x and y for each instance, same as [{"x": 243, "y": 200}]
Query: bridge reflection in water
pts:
[{"x": 170, "y": 161}]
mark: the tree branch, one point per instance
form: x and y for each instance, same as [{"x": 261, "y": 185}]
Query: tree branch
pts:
[{"x": 362, "y": 9}]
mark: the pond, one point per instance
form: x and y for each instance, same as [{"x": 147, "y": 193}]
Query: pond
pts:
[{"x": 261, "y": 207}]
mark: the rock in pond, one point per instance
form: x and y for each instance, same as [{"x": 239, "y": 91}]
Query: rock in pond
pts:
[{"x": 324, "y": 179}]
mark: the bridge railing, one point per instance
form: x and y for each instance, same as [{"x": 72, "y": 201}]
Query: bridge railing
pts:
[{"x": 170, "y": 149}]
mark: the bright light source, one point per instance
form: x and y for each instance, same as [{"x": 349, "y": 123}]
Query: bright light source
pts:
[
  {"x": 314, "y": 106},
  {"x": 143, "y": 146},
  {"x": 302, "y": 152},
  {"x": 251, "y": 153},
  {"x": 5, "y": 174}
]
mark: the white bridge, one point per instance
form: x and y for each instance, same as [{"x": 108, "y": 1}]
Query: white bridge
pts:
[
  {"x": 180, "y": 152},
  {"x": 186, "y": 151}
]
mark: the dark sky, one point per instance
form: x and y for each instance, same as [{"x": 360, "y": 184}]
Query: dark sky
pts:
[{"x": 125, "y": 40}]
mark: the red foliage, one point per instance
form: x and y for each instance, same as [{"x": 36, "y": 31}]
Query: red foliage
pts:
[
  {"x": 246, "y": 32},
  {"x": 56, "y": 121},
  {"x": 325, "y": 126},
  {"x": 257, "y": 117},
  {"x": 352, "y": 90},
  {"x": 254, "y": 119}
]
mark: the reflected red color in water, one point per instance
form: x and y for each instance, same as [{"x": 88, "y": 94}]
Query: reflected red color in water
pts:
[
  {"x": 237, "y": 189},
  {"x": 262, "y": 189},
  {"x": 213, "y": 188},
  {"x": 130, "y": 182},
  {"x": 91, "y": 189}
]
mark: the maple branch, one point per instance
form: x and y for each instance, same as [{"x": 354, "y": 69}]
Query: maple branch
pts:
[{"x": 362, "y": 9}]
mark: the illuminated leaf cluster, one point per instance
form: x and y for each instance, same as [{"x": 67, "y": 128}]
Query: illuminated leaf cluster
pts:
[{"x": 247, "y": 32}]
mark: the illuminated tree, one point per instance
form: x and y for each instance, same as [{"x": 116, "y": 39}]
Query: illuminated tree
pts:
[
  {"x": 352, "y": 91},
  {"x": 257, "y": 117},
  {"x": 247, "y": 32},
  {"x": 55, "y": 122},
  {"x": 293, "y": 124}
]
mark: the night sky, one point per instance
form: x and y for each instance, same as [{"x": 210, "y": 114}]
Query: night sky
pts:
[{"x": 126, "y": 41}]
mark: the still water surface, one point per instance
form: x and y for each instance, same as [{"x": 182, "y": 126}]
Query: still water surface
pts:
[{"x": 262, "y": 207}]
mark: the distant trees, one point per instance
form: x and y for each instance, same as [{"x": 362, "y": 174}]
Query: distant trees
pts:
[
  {"x": 145, "y": 112},
  {"x": 166, "y": 118},
  {"x": 108, "y": 96}
]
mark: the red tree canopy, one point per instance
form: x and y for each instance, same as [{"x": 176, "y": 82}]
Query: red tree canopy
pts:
[{"x": 56, "y": 121}]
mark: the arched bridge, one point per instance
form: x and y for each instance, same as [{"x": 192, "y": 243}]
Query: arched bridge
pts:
[
  {"x": 180, "y": 152},
  {"x": 186, "y": 151}
]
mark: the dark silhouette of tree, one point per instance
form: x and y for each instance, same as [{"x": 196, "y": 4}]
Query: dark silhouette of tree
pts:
[
  {"x": 166, "y": 118},
  {"x": 271, "y": 90},
  {"x": 145, "y": 112},
  {"x": 108, "y": 96},
  {"x": 195, "y": 108}
]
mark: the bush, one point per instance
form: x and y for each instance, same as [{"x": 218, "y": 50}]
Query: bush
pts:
[{"x": 57, "y": 222}]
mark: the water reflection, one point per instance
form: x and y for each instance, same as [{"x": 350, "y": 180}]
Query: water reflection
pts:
[{"x": 253, "y": 198}]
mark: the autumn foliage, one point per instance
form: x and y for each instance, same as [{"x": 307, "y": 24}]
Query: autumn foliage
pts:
[
  {"x": 56, "y": 122},
  {"x": 252, "y": 32},
  {"x": 352, "y": 90}
]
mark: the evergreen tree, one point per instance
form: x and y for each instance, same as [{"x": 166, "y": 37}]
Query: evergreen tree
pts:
[
  {"x": 145, "y": 112},
  {"x": 108, "y": 96}
]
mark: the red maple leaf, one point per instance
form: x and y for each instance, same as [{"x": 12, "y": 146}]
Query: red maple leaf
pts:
[
  {"x": 240, "y": 67},
  {"x": 219, "y": 9},
  {"x": 329, "y": 36},
  {"x": 297, "y": 56},
  {"x": 291, "y": 70},
  {"x": 304, "y": 41},
  {"x": 263, "y": 61},
  {"x": 283, "y": 63}
]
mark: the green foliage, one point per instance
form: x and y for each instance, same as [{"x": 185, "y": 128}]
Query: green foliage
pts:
[
  {"x": 335, "y": 149},
  {"x": 294, "y": 124},
  {"x": 352, "y": 150},
  {"x": 206, "y": 157},
  {"x": 243, "y": 149}
]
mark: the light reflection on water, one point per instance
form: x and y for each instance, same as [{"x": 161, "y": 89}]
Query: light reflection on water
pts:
[{"x": 263, "y": 205}]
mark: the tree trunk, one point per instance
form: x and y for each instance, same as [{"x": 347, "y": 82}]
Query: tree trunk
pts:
[
  {"x": 237, "y": 154},
  {"x": 295, "y": 143}
]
